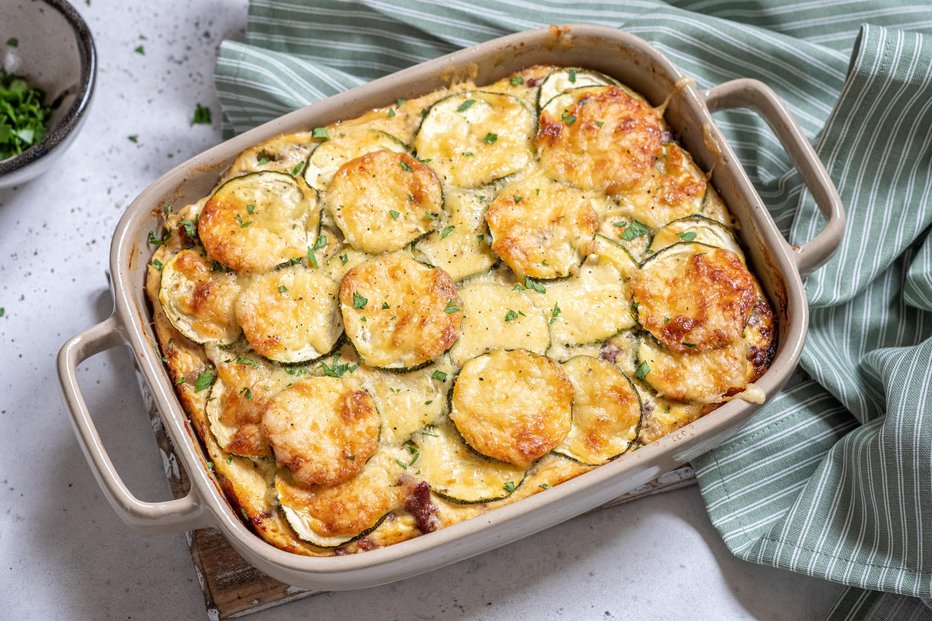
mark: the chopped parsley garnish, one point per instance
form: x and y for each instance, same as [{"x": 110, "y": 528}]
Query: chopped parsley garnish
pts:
[
  {"x": 250, "y": 209},
  {"x": 400, "y": 102},
  {"x": 572, "y": 76},
  {"x": 159, "y": 241},
  {"x": 262, "y": 161},
  {"x": 446, "y": 231},
  {"x": 512, "y": 315},
  {"x": 320, "y": 132},
  {"x": 666, "y": 320},
  {"x": 425, "y": 160},
  {"x": 204, "y": 381},
  {"x": 600, "y": 123},
  {"x": 545, "y": 486},
  {"x": 12, "y": 42},
  {"x": 468, "y": 154},
  {"x": 242, "y": 223},
  {"x": 344, "y": 258},
  {"x": 690, "y": 345},
  {"x": 517, "y": 198},
  {"x": 201, "y": 115},
  {"x": 394, "y": 214},
  {"x": 180, "y": 381},
  {"x": 439, "y": 375},
  {"x": 554, "y": 313},
  {"x": 635, "y": 230},
  {"x": 246, "y": 392},
  {"x": 509, "y": 486},
  {"x": 296, "y": 371},
  {"x": 415, "y": 453},
  {"x": 282, "y": 289},
  {"x": 452, "y": 307},
  {"x": 320, "y": 242},
  {"x": 190, "y": 228},
  {"x": 350, "y": 457},
  {"x": 359, "y": 301},
  {"x": 336, "y": 368},
  {"x": 403, "y": 465},
  {"x": 157, "y": 264},
  {"x": 516, "y": 80},
  {"x": 686, "y": 235},
  {"x": 620, "y": 224},
  {"x": 385, "y": 305},
  {"x": 405, "y": 167},
  {"x": 391, "y": 112},
  {"x": 248, "y": 361},
  {"x": 229, "y": 459},
  {"x": 533, "y": 284},
  {"x": 23, "y": 115},
  {"x": 297, "y": 169},
  {"x": 140, "y": 50},
  {"x": 490, "y": 138},
  {"x": 642, "y": 370},
  {"x": 465, "y": 105},
  {"x": 134, "y": 138},
  {"x": 569, "y": 119},
  {"x": 430, "y": 216}
]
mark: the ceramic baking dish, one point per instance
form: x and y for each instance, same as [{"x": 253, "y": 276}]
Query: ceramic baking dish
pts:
[{"x": 778, "y": 265}]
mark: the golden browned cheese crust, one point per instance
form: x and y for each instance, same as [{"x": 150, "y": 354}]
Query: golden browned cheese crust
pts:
[
  {"x": 405, "y": 320},
  {"x": 693, "y": 297},
  {"x": 398, "y": 313},
  {"x": 512, "y": 405},
  {"x": 322, "y": 429},
  {"x": 599, "y": 138}
]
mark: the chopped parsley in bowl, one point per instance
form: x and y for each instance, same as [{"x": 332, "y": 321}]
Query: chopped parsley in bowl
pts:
[{"x": 24, "y": 116}]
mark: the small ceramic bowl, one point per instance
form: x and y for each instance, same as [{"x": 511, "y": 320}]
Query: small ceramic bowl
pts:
[{"x": 48, "y": 43}]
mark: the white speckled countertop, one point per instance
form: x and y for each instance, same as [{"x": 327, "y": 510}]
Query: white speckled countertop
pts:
[{"x": 65, "y": 554}]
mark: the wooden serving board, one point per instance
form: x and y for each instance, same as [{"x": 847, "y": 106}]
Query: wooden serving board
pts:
[{"x": 233, "y": 588}]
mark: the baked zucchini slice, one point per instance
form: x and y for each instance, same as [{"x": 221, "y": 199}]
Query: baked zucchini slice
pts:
[
  {"x": 589, "y": 308},
  {"x": 460, "y": 242},
  {"x": 399, "y": 313},
  {"x": 476, "y": 137},
  {"x": 599, "y": 138},
  {"x": 673, "y": 188},
  {"x": 260, "y": 220},
  {"x": 333, "y": 515},
  {"x": 496, "y": 316},
  {"x": 323, "y": 429},
  {"x": 382, "y": 201},
  {"x": 198, "y": 299},
  {"x": 606, "y": 412},
  {"x": 541, "y": 228},
  {"x": 699, "y": 229},
  {"x": 284, "y": 153},
  {"x": 693, "y": 297},
  {"x": 457, "y": 473},
  {"x": 569, "y": 78},
  {"x": 663, "y": 416},
  {"x": 610, "y": 251},
  {"x": 408, "y": 401},
  {"x": 243, "y": 388},
  {"x": 343, "y": 145},
  {"x": 512, "y": 405},
  {"x": 694, "y": 376},
  {"x": 290, "y": 315}
]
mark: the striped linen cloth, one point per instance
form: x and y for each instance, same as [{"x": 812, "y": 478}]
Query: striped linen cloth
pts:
[{"x": 833, "y": 477}]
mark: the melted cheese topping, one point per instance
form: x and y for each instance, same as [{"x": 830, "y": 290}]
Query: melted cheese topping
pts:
[
  {"x": 198, "y": 299},
  {"x": 323, "y": 429},
  {"x": 259, "y": 220},
  {"x": 399, "y": 313},
  {"x": 695, "y": 376},
  {"x": 382, "y": 201},
  {"x": 599, "y": 138},
  {"x": 512, "y": 405},
  {"x": 694, "y": 297},
  {"x": 477, "y": 137},
  {"x": 460, "y": 242},
  {"x": 606, "y": 411},
  {"x": 284, "y": 153},
  {"x": 290, "y": 315},
  {"x": 541, "y": 228},
  {"x": 496, "y": 316}
]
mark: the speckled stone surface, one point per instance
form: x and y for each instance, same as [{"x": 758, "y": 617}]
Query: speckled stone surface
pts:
[{"x": 64, "y": 553}]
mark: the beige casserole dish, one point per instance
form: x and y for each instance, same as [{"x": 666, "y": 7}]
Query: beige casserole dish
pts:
[{"x": 778, "y": 265}]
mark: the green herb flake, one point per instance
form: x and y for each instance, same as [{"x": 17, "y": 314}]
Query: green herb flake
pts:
[
  {"x": 509, "y": 486},
  {"x": 533, "y": 284},
  {"x": 344, "y": 258},
  {"x": 159, "y": 241},
  {"x": 572, "y": 76},
  {"x": 439, "y": 375},
  {"x": 202, "y": 115},
  {"x": 600, "y": 123},
  {"x": 517, "y": 198},
  {"x": 248, "y": 362},
  {"x": 23, "y": 115},
  {"x": 465, "y": 105},
  {"x": 666, "y": 320},
  {"x": 319, "y": 243},
  {"x": 391, "y": 112},
  {"x": 569, "y": 119},
  {"x": 620, "y": 224},
  {"x": 320, "y": 132},
  {"x": 140, "y": 50},
  {"x": 336, "y": 368},
  {"x": 359, "y": 301},
  {"x": 512, "y": 315},
  {"x": 516, "y": 80},
  {"x": 12, "y": 42},
  {"x": 204, "y": 381},
  {"x": 297, "y": 169},
  {"x": 134, "y": 138},
  {"x": 490, "y": 138},
  {"x": 242, "y": 223},
  {"x": 190, "y": 228},
  {"x": 545, "y": 486},
  {"x": 452, "y": 307},
  {"x": 157, "y": 264},
  {"x": 350, "y": 457},
  {"x": 468, "y": 154},
  {"x": 282, "y": 289},
  {"x": 634, "y": 230},
  {"x": 405, "y": 167},
  {"x": 430, "y": 216},
  {"x": 554, "y": 313},
  {"x": 446, "y": 231},
  {"x": 250, "y": 209},
  {"x": 686, "y": 235},
  {"x": 394, "y": 214},
  {"x": 400, "y": 102},
  {"x": 295, "y": 371},
  {"x": 642, "y": 370},
  {"x": 210, "y": 466},
  {"x": 425, "y": 160},
  {"x": 689, "y": 345},
  {"x": 262, "y": 161},
  {"x": 180, "y": 381}
]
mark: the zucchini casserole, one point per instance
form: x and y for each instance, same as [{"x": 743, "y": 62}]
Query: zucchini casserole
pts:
[{"x": 400, "y": 321}]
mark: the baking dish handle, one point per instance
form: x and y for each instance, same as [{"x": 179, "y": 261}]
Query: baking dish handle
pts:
[
  {"x": 167, "y": 516},
  {"x": 761, "y": 98}
]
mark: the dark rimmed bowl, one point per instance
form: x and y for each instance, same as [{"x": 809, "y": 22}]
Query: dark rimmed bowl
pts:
[{"x": 54, "y": 51}]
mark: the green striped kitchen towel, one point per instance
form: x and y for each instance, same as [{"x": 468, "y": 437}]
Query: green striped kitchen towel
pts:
[{"x": 833, "y": 477}]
